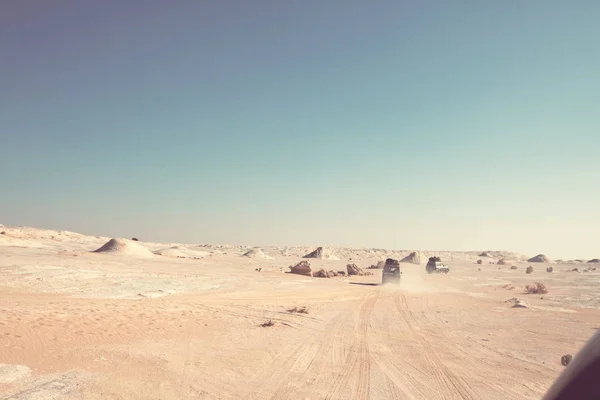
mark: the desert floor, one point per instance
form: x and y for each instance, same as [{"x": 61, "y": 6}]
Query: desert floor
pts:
[{"x": 128, "y": 325}]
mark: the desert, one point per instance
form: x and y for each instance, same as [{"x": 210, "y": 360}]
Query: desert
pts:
[{"x": 88, "y": 317}]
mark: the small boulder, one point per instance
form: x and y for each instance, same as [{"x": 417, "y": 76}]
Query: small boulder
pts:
[
  {"x": 549, "y": 269},
  {"x": 321, "y": 274},
  {"x": 513, "y": 267},
  {"x": 536, "y": 288},
  {"x": 520, "y": 304},
  {"x": 517, "y": 303},
  {"x": 480, "y": 261},
  {"x": 529, "y": 270},
  {"x": 566, "y": 359},
  {"x": 302, "y": 268}
]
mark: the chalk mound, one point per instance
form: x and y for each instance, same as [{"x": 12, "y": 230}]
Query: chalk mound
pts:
[
  {"x": 256, "y": 253},
  {"x": 125, "y": 247},
  {"x": 321, "y": 254},
  {"x": 412, "y": 258},
  {"x": 181, "y": 252},
  {"x": 171, "y": 252},
  {"x": 540, "y": 258},
  {"x": 485, "y": 254}
]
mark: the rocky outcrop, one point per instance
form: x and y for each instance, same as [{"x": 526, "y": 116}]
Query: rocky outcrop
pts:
[
  {"x": 322, "y": 254},
  {"x": 255, "y": 253},
  {"x": 302, "y": 268},
  {"x": 412, "y": 258},
  {"x": 540, "y": 258},
  {"x": 354, "y": 269},
  {"x": 594, "y": 261}
]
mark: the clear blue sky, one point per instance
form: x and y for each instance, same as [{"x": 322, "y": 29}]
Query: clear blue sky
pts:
[{"x": 393, "y": 124}]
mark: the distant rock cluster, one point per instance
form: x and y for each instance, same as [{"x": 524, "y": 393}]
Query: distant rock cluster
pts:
[{"x": 304, "y": 268}]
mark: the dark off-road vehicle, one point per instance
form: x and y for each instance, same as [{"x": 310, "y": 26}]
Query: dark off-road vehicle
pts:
[{"x": 391, "y": 271}]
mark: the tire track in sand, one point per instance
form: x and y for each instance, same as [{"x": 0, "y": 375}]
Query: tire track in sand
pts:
[
  {"x": 446, "y": 379},
  {"x": 358, "y": 359}
]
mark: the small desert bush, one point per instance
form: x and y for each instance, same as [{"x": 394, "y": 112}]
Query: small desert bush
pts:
[{"x": 536, "y": 288}]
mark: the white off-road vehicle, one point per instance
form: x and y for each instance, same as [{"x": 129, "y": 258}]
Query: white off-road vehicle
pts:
[{"x": 435, "y": 265}]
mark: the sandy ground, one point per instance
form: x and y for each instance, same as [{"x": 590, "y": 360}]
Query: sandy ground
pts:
[{"x": 125, "y": 325}]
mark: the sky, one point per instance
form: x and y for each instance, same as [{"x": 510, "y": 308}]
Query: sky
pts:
[{"x": 391, "y": 124}]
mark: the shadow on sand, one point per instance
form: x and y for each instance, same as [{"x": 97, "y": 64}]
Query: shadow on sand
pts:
[{"x": 365, "y": 283}]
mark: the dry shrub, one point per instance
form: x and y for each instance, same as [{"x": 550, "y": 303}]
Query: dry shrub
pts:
[
  {"x": 299, "y": 310},
  {"x": 267, "y": 324},
  {"x": 536, "y": 288}
]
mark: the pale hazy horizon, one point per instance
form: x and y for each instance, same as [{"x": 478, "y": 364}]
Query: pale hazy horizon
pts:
[{"x": 401, "y": 126}]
